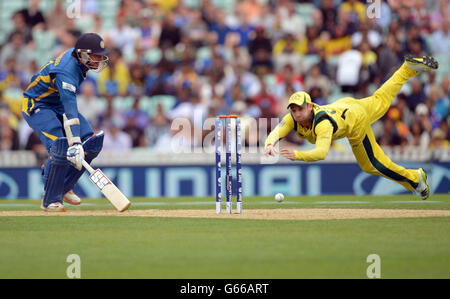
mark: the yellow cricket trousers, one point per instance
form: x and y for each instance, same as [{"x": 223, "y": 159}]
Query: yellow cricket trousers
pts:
[{"x": 368, "y": 153}]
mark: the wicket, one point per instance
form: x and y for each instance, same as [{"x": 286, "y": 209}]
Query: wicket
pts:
[{"x": 228, "y": 175}]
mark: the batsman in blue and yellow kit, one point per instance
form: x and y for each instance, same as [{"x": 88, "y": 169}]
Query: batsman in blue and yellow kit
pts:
[
  {"x": 352, "y": 118},
  {"x": 50, "y": 108}
]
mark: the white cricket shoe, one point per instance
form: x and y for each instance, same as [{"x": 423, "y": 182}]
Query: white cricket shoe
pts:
[
  {"x": 421, "y": 64},
  {"x": 422, "y": 188},
  {"x": 71, "y": 198},
  {"x": 54, "y": 207}
]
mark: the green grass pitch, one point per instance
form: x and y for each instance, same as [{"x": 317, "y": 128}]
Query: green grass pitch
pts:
[{"x": 157, "y": 247}]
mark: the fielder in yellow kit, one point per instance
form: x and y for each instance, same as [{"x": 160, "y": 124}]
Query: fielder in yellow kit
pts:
[{"x": 352, "y": 118}]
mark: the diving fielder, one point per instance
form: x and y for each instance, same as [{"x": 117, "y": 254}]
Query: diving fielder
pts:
[
  {"x": 50, "y": 108},
  {"x": 352, "y": 118}
]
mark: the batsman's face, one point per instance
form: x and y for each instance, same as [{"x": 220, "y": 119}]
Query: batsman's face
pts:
[
  {"x": 301, "y": 115},
  {"x": 96, "y": 59}
]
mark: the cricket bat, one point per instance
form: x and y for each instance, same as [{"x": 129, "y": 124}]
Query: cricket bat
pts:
[{"x": 109, "y": 190}]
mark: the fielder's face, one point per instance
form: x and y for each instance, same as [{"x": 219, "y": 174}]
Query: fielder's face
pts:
[{"x": 301, "y": 115}]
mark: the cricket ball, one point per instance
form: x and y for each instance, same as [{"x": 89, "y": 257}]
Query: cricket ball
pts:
[{"x": 279, "y": 197}]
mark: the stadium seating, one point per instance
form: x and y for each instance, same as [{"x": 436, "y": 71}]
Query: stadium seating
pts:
[
  {"x": 309, "y": 61},
  {"x": 153, "y": 56},
  {"x": 149, "y": 104},
  {"x": 305, "y": 10}
]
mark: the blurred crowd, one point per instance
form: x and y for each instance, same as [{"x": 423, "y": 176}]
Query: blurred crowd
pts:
[{"x": 201, "y": 58}]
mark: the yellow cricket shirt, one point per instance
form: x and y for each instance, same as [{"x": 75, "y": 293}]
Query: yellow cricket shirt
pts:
[{"x": 329, "y": 122}]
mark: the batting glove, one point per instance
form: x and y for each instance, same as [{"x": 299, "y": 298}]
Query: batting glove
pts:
[{"x": 75, "y": 154}]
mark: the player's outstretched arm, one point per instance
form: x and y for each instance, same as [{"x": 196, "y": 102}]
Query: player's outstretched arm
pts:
[
  {"x": 324, "y": 131},
  {"x": 280, "y": 131}
]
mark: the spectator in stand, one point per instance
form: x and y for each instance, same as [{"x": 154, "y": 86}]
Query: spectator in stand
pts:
[
  {"x": 135, "y": 132},
  {"x": 422, "y": 114},
  {"x": 115, "y": 78},
  {"x": 267, "y": 19},
  {"x": 284, "y": 79},
  {"x": 385, "y": 15},
  {"x": 163, "y": 6},
  {"x": 136, "y": 86},
  {"x": 11, "y": 76},
  {"x": 420, "y": 16},
  {"x": 196, "y": 29},
  {"x": 147, "y": 31},
  {"x": 57, "y": 18},
  {"x": 158, "y": 126},
  {"x": 407, "y": 116},
  {"x": 236, "y": 55},
  {"x": 440, "y": 39},
  {"x": 417, "y": 95},
  {"x": 316, "y": 79},
  {"x": 438, "y": 139},
  {"x": 368, "y": 70},
  {"x": 356, "y": 9},
  {"x": 316, "y": 95},
  {"x": 390, "y": 135},
  {"x": 348, "y": 70},
  {"x": 248, "y": 81},
  {"x": 20, "y": 26},
  {"x": 189, "y": 107},
  {"x": 170, "y": 34},
  {"x": 388, "y": 59},
  {"x": 64, "y": 41},
  {"x": 440, "y": 14},
  {"x": 244, "y": 30},
  {"x": 415, "y": 44},
  {"x": 72, "y": 28},
  {"x": 16, "y": 49},
  {"x": 185, "y": 75},
  {"x": 260, "y": 48},
  {"x": 252, "y": 9},
  {"x": 418, "y": 137},
  {"x": 220, "y": 27},
  {"x": 439, "y": 103},
  {"x": 115, "y": 138},
  {"x": 140, "y": 118},
  {"x": 9, "y": 139},
  {"x": 260, "y": 41},
  {"x": 123, "y": 36},
  {"x": 110, "y": 115},
  {"x": 266, "y": 101},
  {"x": 433, "y": 116},
  {"x": 90, "y": 7},
  {"x": 32, "y": 15},
  {"x": 89, "y": 105},
  {"x": 404, "y": 21},
  {"x": 329, "y": 13},
  {"x": 313, "y": 37},
  {"x": 34, "y": 144},
  {"x": 159, "y": 81},
  {"x": 288, "y": 50},
  {"x": 366, "y": 33},
  {"x": 130, "y": 9},
  {"x": 325, "y": 68},
  {"x": 291, "y": 22}
]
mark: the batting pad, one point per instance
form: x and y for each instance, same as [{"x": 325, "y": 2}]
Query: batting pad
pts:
[{"x": 55, "y": 171}]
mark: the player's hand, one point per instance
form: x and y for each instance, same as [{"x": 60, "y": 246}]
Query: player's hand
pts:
[
  {"x": 288, "y": 154},
  {"x": 75, "y": 154},
  {"x": 270, "y": 151}
]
